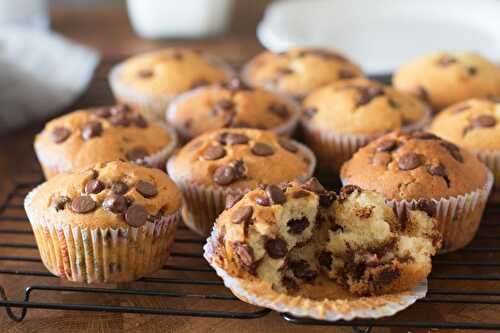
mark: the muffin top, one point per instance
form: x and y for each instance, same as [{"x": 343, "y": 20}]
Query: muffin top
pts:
[
  {"x": 446, "y": 78},
  {"x": 298, "y": 71},
  {"x": 172, "y": 71},
  {"x": 106, "y": 195},
  {"x": 217, "y": 106},
  {"x": 412, "y": 166},
  {"x": 101, "y": 134},
  {"x": 473, "y": 124},
  {"x": 361, "y": 106},
  {"x": 240, "y": 158}
]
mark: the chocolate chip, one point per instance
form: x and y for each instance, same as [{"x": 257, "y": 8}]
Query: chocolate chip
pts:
[
  {"x": 60, "y": 203},
  {"x": 387, "y": 145},
  {"x": 275, "y": 194},
  {"x": 245, "y": 255},
  {"x": 115, "y": 203},
  {"x": 386, "y": 276},
  {"x": 437, "y": 170},
  {"x": 279, "y": 110},
  {"x": 147, "y": 189},
  {"x": 137, "y": 153},
  {"x": 242, "y": 214},
  {"x": 288, "y": 145},
  {"x": 136, "y": 215},
  {"x": 381, "y": 158},
  {"x": 313, "y": 185},
  {"x": 139, "y": 121},
  {"x": 60, "y": 134},
  {"x": 289, "y": 283},
  {"x": 145, "y": 73},
  {"x": 214, "y": 153},
  {"x": 347, "y": 190},
  {"x": 367, "y": 94},
  {"x": 233, "y": 139},
  {"x": 239, "y": 169},
  {"x": 325, "y": 259},
  {"x": 297, "y": 226},
  {"x": 326, "y": 199},
  {"x": 103, "y": 112},
  {"x": 345, "y": 73},
  {"x": 300, "y": 194},
  {"x": 453, "y": 150},
  {"x": 446, "y": 60},
  {"x": 83, "y": 204},
  {"x": 471, "y": 70},
  {"x": 232, "y": 199},
  {"x": 424, "y": 136},
  {"x": 409, "y": 161},
  {"x": 427, "y": 206},
  {"x": 94, "y": 186},
  {"x": 302, "y": 270},
  {"x": 262, "y": 149},
  {"x": 120, "y": 120},
  {"x": 263, "y": 201},
  {"x": 91, "y": 129},
  {"x": 310, "y": 112},
  {"x": 224, "y": 175},
  {"x": 364, "y": 212},
  {"x": 422, "y": 94},
  {"x": 276, "y": 248},
  {"x": 119, "y": 187},
  {"x": 121, "y": 109},
  {"x": 484, "y": 121}
]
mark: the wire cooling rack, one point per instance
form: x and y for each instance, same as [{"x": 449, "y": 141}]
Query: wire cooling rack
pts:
[{"x": 464, "y": 287}]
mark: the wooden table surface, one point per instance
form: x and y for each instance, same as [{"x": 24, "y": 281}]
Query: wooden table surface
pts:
[{"x": 108, "y": 30}]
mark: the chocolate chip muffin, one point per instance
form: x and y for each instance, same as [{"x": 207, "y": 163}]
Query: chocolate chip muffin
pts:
[
  {"x": 229, "y": 162},
  {"x": 343, "y": 116},
  {"x": 473, "y": 124},
  {"x": 298, "y": 71},
  {"x": 151, "y": 80},
  {"x": 409, "y": 168},
  {"x": 446, "y": 78},
  {"x": 103, "y": 134},
  {"x": 233, "y": 105},
  {"x": 304, "y": 237},
  {"x": 110, "y": 222}
]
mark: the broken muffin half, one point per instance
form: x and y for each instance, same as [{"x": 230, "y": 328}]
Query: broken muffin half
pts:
[{"x": 291, "y": 235}]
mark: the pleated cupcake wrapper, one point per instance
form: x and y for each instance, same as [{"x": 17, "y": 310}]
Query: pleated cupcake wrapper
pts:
[
  {"x": 203, "y": 204},
  {"x": 152, "y": 107},
  {"x": 333, "y": 149},
  {"x": 261, "y": 293},
  {"x": 285, "y": 129},
  {"x": 492, "y": 161},
  {"x": 458, "y": 216}
]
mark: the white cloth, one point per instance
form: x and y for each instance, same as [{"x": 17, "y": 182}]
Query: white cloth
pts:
[{"x": 40, "y": 73}]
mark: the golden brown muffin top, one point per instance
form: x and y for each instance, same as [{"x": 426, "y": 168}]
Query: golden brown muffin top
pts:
[
  {"x": 412, "y": 166},
  {"x": 101, "y": 134},
  {"x": 473, "y": 124},
  {"x": 240, "y": 158},
  {"x": 446, "y": 78},
  {"x": 361, "y": 106},
  {"x": 298, "y": 71},
  {"x": 172, "y": 71},
  {"x": 106, "y": 195},
  {"x": 217, "y": 106}
]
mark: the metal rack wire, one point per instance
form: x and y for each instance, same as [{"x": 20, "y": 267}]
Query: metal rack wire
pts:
[{"x": 460, "y": 282}]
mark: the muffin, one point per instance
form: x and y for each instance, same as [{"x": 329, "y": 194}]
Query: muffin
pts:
[
  {"x": 221, "y": 106},
  {"x": 473, "y": 125},
  {"x": 298, "y": 71},
  {"x": 226, "y": 163},
  {"x": 103, "y": 134},
  {"x": 150, "y": 80},
  {"x": 408, "y": 168},
  {"x": 110, "y": 222},
  {"x": 446, "y": 78},
  {"x": 314, "y": 250},
  {"x": 344, "y": 116}
]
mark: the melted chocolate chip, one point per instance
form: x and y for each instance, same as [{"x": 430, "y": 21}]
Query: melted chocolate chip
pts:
[
  {"x": 297, "y": 226},
  {"x": 276, "y": 248},
  {"x": 288, "y": 145},
  {"x": 427, "y": 206},
  {"x": 325, "y": 259},
  {"x": 139, "y": 121},
  {"x": 327, "y": 198},
  {"x": 302, "y": 270},
  {"x": 242, "y": 215},
  {"x": 137, "y": 153},
  {"x": 239, "y": 169},
  {"x": 300, "y": 194},
  {"x": 289, "y": 283},
  {"x": 115, "y": 203},
  {"x": 262, "y": 149},
  {"x": 93, "y": 186},
  {"x": 263, "y": 201},
  {"x": 120, "y": 120},
  {"x": 453, "y": 150},
  {"x": 409, "y": 161},
  {"x": 233, "y": 139},
  {"x": 213, "y": 153},
  {"x": 91, "y": 129},
  {"x": 232, "y": 199},
  {"x": 119, "y": 187},
  {"x": 345, "y": 191},
  {"x": 437, "y": 170},
  {"x": 60, "y": 203},
  {"x": 83, "y": 204},
  {"x": 484, "y": 121},
  {"x": 136, "y": 215},
  {"x": 60, "y": 134},
  {"x": 280, "y": 110},
  {"x": 103, "y": 112},
  {"x": 387, "y": 145},
  {"x": 424, "y": 136},
  {"x": 366, "y": 95},
  {"x": 147, "y": 189},
  {"x": 313, "y": 185},
  {"x": 275, "y": 194},
  {"x": 471, "y": 70},
  {"x": 245, "y": 255}
]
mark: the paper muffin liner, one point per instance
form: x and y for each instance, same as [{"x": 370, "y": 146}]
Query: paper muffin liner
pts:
[
  {"x": 333, "y": 149},
  {"x": 151, "y": 107},
  {"x": 261, "y": 293},
  {"x": 103, "y": 255},
  {"x": 492, "y": 160},
  {"x": 458, "y": 216},
  {"x": 203, "y": 203},
  {"x": 51, "y": 167},
  {"x": 285, "y": 129}
]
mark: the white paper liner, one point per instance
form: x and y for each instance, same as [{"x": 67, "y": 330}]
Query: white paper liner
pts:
[
  {"x": 285, "y": 129},
  {"x": 202, "y": 204},
  {"x": 459, "y": 216},
  {"x": 152, "y": 107},
  {"x": 261, "y": 294},
  {"x": 333, "y": 149},
  {"x": 102, "y": 255},
  {"x": 492, "y": 160}
]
